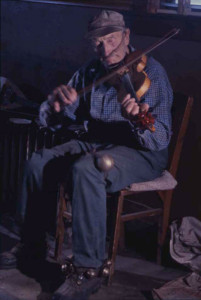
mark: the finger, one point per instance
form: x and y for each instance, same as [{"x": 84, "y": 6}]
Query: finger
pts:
[
  {"x": 57, "y": 106},
  {"x": 74, "y": 94},
  {"x": 63, "y": 97},
  {"x": 72, "y": 90},
  {"x": 66, "y": 92},
  {"x": 144, "y": 107},
  {"x": 55, "y": 95},
  {"x": 128, "y": 102},
  {"x": 135, "y": 110},
  {"x": 130, "y": 107},
  {"x": 70, "y": 93},
  {"x": 58, "y": 95},
  {"x": 127, "y": 97}
]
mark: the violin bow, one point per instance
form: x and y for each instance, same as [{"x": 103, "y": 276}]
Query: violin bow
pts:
[
  {"x": 161, "y": 41},
  {"x": 164, "y": 39}
]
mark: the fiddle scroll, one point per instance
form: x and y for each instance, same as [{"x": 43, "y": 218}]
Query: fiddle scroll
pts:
[{"x": 145, "y": 120}]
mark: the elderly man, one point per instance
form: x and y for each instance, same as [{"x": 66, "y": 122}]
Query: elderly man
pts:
[{"x": 138, "y": 154}]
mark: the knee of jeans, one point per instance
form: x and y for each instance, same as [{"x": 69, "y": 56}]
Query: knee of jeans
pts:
[
  {"x": 34, "y": 163},
  {"x": 29, "y": 167},
  {"x": 84, "y": 166}
]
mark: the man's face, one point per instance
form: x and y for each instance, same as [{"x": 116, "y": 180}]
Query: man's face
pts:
[{"x": 112, "y": 47}]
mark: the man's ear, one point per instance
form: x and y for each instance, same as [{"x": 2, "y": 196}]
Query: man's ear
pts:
[{"x": 127, "y": 36}]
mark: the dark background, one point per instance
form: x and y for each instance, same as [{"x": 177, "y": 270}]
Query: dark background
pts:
[{"x": 43, "y": 44}]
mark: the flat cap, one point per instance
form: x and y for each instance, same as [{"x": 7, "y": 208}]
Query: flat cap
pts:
[{"x": 107, "y": 21}]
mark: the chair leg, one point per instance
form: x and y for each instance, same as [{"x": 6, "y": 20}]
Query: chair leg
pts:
[
  {"x": 164, "y": 222},
  {"x": 117, "y": 209},
  {"x": 159, "y": 248},
  {"x": 166, "y": 215},
  {"x": 60, "y": 224},
  {"x": 122, "y": 237}
]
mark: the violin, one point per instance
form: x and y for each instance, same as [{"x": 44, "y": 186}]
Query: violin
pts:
[{"x": 135, "y": 80}]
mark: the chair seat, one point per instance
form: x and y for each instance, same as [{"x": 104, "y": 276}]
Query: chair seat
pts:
[{"x": 165, "y": 182}]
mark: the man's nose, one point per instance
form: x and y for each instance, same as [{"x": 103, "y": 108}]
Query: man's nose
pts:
[{"x": 105, "y": 49}]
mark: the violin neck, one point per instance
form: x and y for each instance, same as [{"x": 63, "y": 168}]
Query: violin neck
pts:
[{"x": 129, "y": 86}]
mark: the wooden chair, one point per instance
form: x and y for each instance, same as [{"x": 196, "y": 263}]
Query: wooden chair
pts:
[{"x": 163, "y": 186}]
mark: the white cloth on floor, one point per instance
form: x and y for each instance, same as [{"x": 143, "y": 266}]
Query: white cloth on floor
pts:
[
  {"x": 185, "y": 243},
  {"x": 185, "y": 248}
]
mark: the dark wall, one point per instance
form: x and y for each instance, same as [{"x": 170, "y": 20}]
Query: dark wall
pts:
[{"x": 43, "y": 44}]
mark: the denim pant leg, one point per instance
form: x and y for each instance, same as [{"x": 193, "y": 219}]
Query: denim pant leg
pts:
[
  {"x": 41, "y": 175},
  {"x": 89, "y": 196},
  {"x": 88, "y": 213},
  {"x": 131, "y": 165}
]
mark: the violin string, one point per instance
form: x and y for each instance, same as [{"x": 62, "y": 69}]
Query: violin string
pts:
[{"x": 129, "y": 86}]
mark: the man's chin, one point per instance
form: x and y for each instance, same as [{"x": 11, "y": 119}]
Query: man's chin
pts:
[
  {"x": 109, "y": 62},
  {"x": 105, "y": 61}
]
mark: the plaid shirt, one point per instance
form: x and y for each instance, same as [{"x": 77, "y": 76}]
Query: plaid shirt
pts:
[{"x": 101, "y": 104}]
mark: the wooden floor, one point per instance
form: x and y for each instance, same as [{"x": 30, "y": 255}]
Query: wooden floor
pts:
[{"x": 135, "y": 277}]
